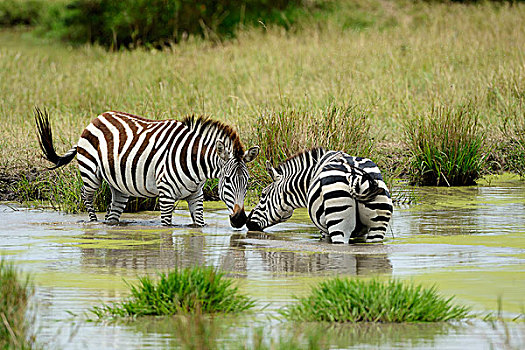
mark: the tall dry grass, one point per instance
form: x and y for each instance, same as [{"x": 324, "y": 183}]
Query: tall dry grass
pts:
[{"x": 393, "y": 59}]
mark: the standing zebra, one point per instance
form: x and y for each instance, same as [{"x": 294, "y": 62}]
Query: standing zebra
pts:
[
  {"x": 149, "y": 158},
  {"x": 345, "y": 196}
]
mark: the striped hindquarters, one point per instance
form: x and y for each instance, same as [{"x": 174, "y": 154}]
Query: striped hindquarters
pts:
[
  {"x": 349, "y": 194},
  {"x": 125, "y": 150}
]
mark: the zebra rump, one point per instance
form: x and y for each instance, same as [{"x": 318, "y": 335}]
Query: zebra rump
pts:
[{"x": 349, "y": 201}]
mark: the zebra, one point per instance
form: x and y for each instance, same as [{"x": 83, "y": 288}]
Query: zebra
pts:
[
  {"x": 346, "y": 196},
  {"x": 168, "y": 159}
]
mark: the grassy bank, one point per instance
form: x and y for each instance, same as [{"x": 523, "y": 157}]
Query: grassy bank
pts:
[{"x": 395, "y": 61}]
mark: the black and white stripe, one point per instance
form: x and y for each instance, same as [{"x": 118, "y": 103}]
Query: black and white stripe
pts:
[
  {"x": 346, "y": 196},
  {"x": 148, "y": 158}
]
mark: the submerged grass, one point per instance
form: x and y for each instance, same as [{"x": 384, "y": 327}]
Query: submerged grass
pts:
[
  {"x": 354, "y": 300},
  {"x": 184, "y": 291},
  {"x": 15, "y": 292},
  {"x": 447, "y": 147}
]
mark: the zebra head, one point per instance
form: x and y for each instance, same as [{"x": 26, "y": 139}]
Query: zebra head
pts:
[
  {"x": 233, "y": 182},
  {"x": 272, "y": 207}
]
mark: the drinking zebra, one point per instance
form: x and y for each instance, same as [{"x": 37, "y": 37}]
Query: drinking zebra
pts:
[
  {"x": 148, "y": 158},
  {"x": 345, "y": 196}
]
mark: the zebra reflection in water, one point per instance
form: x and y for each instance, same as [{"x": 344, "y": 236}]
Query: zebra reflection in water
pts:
[{"x": 248, "y": 251}]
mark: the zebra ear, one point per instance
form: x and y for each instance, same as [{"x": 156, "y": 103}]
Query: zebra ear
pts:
[
  {"x": 251, "y": 154},
  {"x": 273, "y": 173},
  {"x": 221, "y": 150}
]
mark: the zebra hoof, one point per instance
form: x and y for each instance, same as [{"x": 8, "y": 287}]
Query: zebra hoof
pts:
[
  {"x": 194, "y": 225},
  {"x": 337, "y": 240},
  {"x": 112, "y": 222},
  {"x": 374, "y": 240}
]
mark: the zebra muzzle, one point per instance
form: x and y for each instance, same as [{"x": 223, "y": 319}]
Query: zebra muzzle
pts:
[
  {"x": 252, "y": 225},
  {"x": 238, "y": 218}
]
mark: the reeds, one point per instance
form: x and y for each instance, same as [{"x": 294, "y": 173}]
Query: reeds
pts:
[
  {"x": 447, "y": 147},
  {"x": 181, "y": 291},
  {"x": 281, "y": 134},
  {"x": 514, "y": 148},
  {"x": 15, "y": 292},
  {"x": 355, "y": 300}
]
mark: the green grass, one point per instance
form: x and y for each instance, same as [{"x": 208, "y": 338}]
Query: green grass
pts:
[
  {"x": 184, "y": 291},
  {"x": 15, "y": 292},
  {"x": 354, "y": 300},
  {"x": 447, "y": 147}
]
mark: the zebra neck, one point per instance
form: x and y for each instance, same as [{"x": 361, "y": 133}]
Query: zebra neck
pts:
[
  {"x": 298, "y": 184},
  {"x": 211, "y": 163}
]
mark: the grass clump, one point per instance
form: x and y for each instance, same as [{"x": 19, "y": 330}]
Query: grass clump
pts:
[
  {"x": 182, "y": 291},
  {"x": 14, "y": 297},
  {"x": 447, "y": 147},
  {"x": 284, "y": 133},
  {"x": 354, "y": 300},
  {"x": 514, "y": 131}
]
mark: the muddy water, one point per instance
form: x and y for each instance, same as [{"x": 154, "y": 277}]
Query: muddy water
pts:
[{"x": 469, "y": 242}]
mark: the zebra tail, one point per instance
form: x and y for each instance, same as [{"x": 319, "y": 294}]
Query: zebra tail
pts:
[
  {"x": 45, "y": 140},
  {"x": 370, "y": 194}
]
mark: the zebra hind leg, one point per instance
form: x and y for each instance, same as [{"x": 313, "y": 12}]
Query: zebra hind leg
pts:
[
  {"x": 87, "y": 195},
  {"x": 117, "y": 206},
  {"x": 341, "y": 222},
  {"x": 376, "y": 235}
]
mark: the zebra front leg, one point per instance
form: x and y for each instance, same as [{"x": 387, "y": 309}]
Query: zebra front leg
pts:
[
  {"x": 196, "y": 207},
  {"x": 166, "y": 205},
  {"x": 117, "y": 206}
]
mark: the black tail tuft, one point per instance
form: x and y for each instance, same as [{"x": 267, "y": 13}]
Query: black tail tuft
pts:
[{"x": 45, "y": 140}]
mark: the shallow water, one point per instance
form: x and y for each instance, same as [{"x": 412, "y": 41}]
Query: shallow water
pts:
[{"x": 469, "y": 242}]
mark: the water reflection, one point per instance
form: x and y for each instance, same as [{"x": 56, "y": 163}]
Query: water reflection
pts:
[
  {"x": 123, "y": 250},
  {"x": 143, "y": 251},
  {"x": 284, "y": 260},
  {"x": 225, "y": 332},
  {"x": 464, "y": 211}
]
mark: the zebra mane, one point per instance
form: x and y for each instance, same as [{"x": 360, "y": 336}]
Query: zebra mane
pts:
[
  {"x": 315, "y": 154},
  {"x": 203, "y": 122}
]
